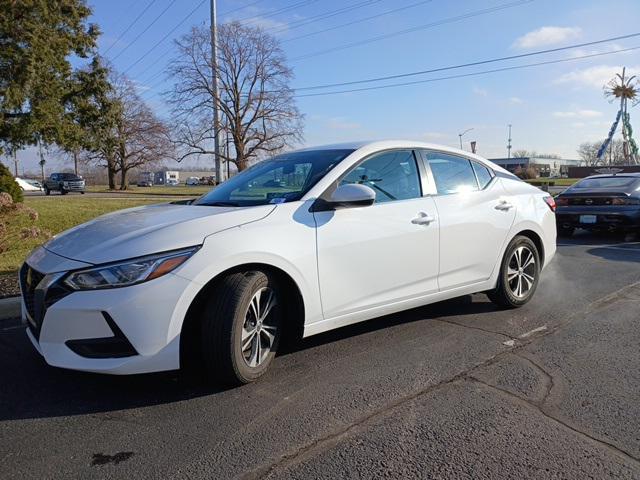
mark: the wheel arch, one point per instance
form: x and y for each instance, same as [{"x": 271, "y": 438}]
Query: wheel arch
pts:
[
  {"x": 294, "y": 313},
  {"x": 537, "y": 241}
]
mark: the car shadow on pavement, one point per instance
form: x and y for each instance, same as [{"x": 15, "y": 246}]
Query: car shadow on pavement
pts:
[
  {"x": 612, "y": 246},
  {"x": 29, "y": 388}
]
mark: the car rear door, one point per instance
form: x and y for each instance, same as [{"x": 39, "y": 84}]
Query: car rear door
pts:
[
  {"x": 371, "y": 257},
  {"x": 475, "y": 214}
]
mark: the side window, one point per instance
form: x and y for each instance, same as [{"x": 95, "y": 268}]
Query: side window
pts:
[
  {"x": 392, "y": 175},
  {"x": 452, "y": 174},
  {"x": 483, "y": 174}
]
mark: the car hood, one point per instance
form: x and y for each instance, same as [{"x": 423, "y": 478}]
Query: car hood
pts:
[{"x": 145, "y": 230}]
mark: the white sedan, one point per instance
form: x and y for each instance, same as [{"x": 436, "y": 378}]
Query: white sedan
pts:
[
  {"x": 28, "y": 185},
  {"x": 305, "y": 242}
]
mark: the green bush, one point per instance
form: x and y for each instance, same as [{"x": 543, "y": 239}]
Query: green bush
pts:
[{"x": 9, "y": 185}]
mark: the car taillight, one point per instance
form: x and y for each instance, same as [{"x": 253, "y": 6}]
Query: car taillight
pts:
[
  {"x": 561, "y": 201},
  {"x": 624, "y": 201},
  {"x": 551, "y": 202}
]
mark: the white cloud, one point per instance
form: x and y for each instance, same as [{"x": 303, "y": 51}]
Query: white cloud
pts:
[
  {"x": 516, "y": 100},
  {"x": 547, "y": 36},
  {"x": 274, "y": 27},
  {"x": 435, "y": 135},
  {"x": 481, "y": 92},
  {"x": 578, "y": 114},
  {"x": 596, "y": 76}
]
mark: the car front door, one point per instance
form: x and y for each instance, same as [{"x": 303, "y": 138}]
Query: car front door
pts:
[
  {"x": 372, "y": 257},
  {"x": 475, "y": 218}
]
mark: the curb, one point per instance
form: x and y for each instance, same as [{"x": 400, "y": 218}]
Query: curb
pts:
[{"x": 9, "y": 308}]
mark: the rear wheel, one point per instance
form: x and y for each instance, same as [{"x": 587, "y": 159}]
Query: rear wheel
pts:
[
  {"x": 47, "y": 191},
  {"x": 241, "y": 327},
  {"x": 519, "y": 274},
  {"x": 63, "y": 191}
]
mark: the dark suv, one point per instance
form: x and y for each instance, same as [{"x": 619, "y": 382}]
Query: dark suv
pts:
[{"x": 63, "y": 183}]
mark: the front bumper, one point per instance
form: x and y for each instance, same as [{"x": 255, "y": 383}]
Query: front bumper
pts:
[
  {"x": 606, "y": 218},
  {"x": 119, "y": 331}
]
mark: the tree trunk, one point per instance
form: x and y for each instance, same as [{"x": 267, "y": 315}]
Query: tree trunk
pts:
[
  {"x": 124, "y": 174},
  {"x": 75, "y": 162},
  {"x": 111, "y": 172}
]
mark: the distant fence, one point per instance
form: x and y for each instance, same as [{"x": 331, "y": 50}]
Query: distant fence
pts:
[{"x": 581, "y": 172}]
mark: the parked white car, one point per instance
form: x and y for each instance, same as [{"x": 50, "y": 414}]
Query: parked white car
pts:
[
  {"x": 28, "y": 185},
  {"x": 192, "y": 181},
  {"x": 306, "y": 242}
]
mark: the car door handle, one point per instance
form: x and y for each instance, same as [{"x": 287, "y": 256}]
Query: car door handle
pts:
[
  {"x": 423, "y": 218},
  {"x": 504, "y": 206}
]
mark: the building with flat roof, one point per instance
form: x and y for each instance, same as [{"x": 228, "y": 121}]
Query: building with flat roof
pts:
[{"x": 546, "y": 167}]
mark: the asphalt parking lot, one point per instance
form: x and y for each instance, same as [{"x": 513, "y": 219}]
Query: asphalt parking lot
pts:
[{"x": 453, "y": 390}]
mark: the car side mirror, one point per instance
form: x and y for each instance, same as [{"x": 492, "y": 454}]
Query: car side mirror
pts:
[{"x": 352, "y": 195}]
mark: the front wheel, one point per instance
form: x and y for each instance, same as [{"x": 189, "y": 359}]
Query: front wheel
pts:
[
  {"x": 47, "y": 191},
  {"x": 519, "y": 274},
  {"x": 241, "y": 327},
  {"x": 63, "y": 191}
]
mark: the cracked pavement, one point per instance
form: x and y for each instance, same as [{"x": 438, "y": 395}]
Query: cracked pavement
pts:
[{"x": 453, "y": 390}]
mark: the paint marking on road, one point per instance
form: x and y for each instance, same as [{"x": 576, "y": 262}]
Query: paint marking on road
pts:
[
  {"x": 535, "y": 330},
  {"x": 623, "y": 246}
]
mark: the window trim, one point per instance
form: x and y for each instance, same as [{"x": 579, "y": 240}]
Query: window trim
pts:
[
  {"x": 433, "y": 187},
  {"x": 320, "y": 202},
  {"x": 492, "y": 174}
]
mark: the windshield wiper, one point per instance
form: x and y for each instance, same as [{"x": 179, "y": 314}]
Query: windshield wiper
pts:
[{"x": 219, "y": 204}]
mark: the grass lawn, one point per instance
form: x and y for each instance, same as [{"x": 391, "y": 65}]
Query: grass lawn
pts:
[
  {"x": 180, "y": 190},
  {"x": 55, "y": 214}
]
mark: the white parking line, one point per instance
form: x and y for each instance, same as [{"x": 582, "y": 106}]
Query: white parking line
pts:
[{"x": 617, "y": 246}]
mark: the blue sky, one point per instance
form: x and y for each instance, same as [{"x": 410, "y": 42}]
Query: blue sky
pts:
[{"x": 553, "y": 108}]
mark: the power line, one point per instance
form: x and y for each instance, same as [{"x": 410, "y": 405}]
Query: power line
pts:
[
  {"x": 145, "y": 30},
  {"x": 242, "y": 7},
  {"x": 472, "y": 74},
  {"x": 471, "y": 64},
  {"x": 247, "y": 20},
  {"x": 353, "y": 22},
  {"x": 155, "y": 45},
  {"x": 322, "y": 16},
  {"x": 288, "y": 8},
  {"x": 130, "y": 26},
  {"x": 414, "y": 29}
]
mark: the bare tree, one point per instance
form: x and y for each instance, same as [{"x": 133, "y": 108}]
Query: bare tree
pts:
[
  {"x": 534, "y": 154},
  {"x": 256, "y": 101},
  {"x": 135, "y": 136},
  {"x": 614, "y": 155},
  {"x": 142, "y": 138}
]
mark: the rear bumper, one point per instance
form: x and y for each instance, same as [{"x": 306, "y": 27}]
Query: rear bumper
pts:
[{"x": 607, "y": 218}]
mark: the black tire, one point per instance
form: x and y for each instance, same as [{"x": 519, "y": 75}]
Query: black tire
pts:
[
  {"x": 224, "y": 317},
  {"x": 47, "y": 191},
  {"x": 565, "y": 231},
  {"x": 503, "y": 295},
  {"x": 63, "y": 191},
  {"x": 82, "y": 193}
]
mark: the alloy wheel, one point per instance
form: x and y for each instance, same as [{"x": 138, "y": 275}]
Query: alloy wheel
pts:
[
  {"x": 258, "y": 331},
  {"x": 521, "y": 272}
]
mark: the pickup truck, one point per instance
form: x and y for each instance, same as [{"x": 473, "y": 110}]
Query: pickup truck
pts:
[{"x": 63, "y": 183}]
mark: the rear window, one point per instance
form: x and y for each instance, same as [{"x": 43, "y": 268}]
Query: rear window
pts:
[{"x": 606, "y": 182}]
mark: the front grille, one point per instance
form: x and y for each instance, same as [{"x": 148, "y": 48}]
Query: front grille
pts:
[
  {"x": 37, "y": 300},
  {"x": 29, "y": 280}
]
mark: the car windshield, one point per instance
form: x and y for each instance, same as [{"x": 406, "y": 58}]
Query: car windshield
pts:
[
  {"x": 69, "y": 176},
  {"x": 606, "y": 182},
  {"x": 284, "y": 178}
]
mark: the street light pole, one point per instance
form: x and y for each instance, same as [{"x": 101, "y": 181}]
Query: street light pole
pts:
[
  {"x": 460, "y": 135},
  {"x": 214, "y": 89}
]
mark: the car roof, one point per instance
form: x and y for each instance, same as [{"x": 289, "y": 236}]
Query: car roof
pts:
[
  {"x": 605, "y": 175},
  {"x": 373, "y": 146}
]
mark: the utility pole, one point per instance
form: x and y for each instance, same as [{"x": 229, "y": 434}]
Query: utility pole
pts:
[
  {"x": 216, "y": 96},
  {"x": 15, "y": 161},
  {"x": 460, "y": 135},
  {"x": 509, "y": 144}
]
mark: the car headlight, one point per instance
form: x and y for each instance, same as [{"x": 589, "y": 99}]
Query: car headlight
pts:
[{"x": 129, "y": 272}]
